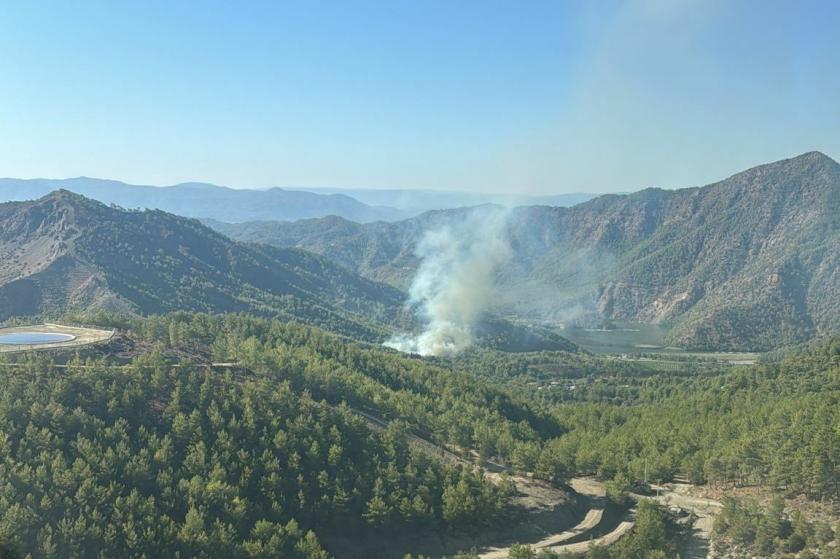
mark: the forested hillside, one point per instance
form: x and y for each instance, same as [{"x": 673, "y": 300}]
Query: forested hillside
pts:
[
  {"x": 166, "y": 456},
  {"x": 169, "y": 454},
  {"x": 776, "y": 425},
  {"x": 156, "y": 461},
  {"x": 748, "y": 263}
]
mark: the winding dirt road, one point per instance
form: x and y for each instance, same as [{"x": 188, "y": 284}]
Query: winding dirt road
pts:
[
  {"x": 592, "y": 519},
  {"x": 678, "y": 495},
  {"x": 539, "y": 496},
  {"x": 608, "y": 539},
  {"x": 595, "y": 491}
]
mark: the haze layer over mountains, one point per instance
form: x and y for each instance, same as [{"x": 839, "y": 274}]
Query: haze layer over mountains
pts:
[{"x": 209, "y": 201}]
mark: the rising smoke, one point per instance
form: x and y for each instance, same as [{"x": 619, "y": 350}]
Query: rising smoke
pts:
[{"x": 455, "y": 281}]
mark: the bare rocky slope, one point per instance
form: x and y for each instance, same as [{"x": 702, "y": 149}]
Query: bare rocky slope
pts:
[{"x": 751, "y": 262}]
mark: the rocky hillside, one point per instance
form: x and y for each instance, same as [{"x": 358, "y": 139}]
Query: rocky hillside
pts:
[
  {"x": 750, "y": 262},
  {"x": 66, "y": 252}
]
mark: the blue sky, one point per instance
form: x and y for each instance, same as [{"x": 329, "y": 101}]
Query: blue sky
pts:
[{"x": 540, "y": 97}]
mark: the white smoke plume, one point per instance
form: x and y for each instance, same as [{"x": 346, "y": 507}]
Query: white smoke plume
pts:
[{"x": 455, "y": 281}]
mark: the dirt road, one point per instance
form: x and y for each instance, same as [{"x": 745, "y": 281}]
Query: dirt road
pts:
[
  {"x": 679, "y": 495},
  {"x": 536, "y": 497},
  {"x": 594, "y": 491},
  {"x": 608, "y": 539},
  {"x": 592, "y": 518}
]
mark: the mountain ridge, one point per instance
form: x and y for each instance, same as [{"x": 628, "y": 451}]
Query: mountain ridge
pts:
[
  {"x": 748, "y": 262},
  {"x": 217, "y": 202},
  {"x": 273, "y": 203},
  {"x": 65, "y": 251}
]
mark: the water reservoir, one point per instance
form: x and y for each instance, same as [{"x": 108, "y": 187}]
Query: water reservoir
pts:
[{"x": 34, "y": 338}]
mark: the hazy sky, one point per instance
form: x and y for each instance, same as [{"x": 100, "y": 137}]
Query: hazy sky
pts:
[{"x": 518, "y": 96}]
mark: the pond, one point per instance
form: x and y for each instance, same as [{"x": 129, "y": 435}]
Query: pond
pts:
[
  {"x": 622, "y": 338},
  {"x": 34, "y": 338}
]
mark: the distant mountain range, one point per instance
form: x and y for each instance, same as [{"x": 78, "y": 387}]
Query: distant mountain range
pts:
[
  {"x": 751, "y": 262},
  {"x": 220, "y": 203},
  {"x": 64, "y": 252},
  {"x": 414, "y": 202},
  {"x": 205, "y": 200}
]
